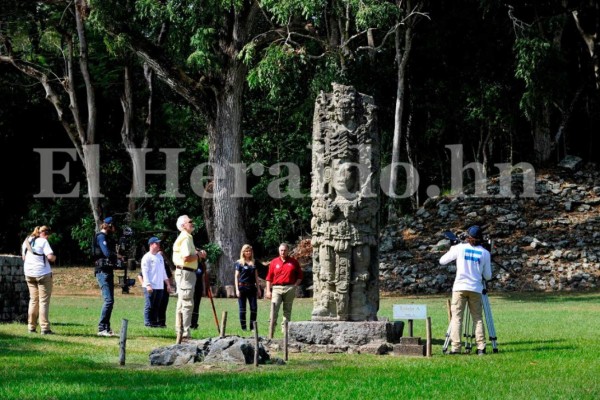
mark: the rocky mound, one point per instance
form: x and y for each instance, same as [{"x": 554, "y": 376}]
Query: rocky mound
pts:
[{"x": 550, "y": 242}]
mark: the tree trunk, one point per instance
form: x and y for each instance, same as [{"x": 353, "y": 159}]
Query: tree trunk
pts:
[
  {"x": 542, "y": 140},
  {"x": 401, "y": 62},
  {"x": 591, "y": 42},
  {"x": 91, "y": 164},
  {"x": 129, "y": 137},
  {"x": 225, "y": 144}
]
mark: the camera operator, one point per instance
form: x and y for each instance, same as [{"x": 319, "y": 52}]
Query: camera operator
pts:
[
  {"x": 106, "y": 259},
  {"x": 473, "y": 262}
]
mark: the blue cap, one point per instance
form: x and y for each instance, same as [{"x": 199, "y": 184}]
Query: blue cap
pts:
[
  {"x": 108, "y": 220},
  {"x": 475, "y": 232},
  {"x": 153, "y": 239}
]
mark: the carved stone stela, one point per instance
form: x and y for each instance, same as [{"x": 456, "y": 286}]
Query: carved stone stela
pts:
[{"x": 345, "y": 206}]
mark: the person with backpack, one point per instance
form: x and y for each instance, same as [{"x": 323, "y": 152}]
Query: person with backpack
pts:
[
  {"x": 37, "y": 256},
  {"x": 105, "y": 259}
]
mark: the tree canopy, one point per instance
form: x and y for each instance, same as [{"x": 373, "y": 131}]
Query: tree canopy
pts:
[{"x": 235, "y": 83}]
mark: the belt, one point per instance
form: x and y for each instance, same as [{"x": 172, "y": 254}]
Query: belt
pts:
[
  {"x": 245, "y": 284},
  {"x": 185, "y": 268}
]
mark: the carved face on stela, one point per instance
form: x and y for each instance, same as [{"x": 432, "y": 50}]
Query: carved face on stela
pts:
[{"x": 344, "y": 179}]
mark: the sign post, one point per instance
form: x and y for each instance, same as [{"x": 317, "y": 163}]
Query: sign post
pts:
[{"x": 411, "y": 312}]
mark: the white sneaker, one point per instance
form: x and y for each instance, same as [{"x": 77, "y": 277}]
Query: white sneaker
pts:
[{"x": 106, "y": 333}]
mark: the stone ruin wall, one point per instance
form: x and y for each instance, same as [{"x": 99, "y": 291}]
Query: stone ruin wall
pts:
[{"x": 14, "y": 295}]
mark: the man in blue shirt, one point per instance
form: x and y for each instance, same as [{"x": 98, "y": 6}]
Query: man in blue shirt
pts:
[{"x": 106, "y": 256}]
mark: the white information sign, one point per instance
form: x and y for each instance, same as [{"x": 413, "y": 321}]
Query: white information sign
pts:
[{"x": 410, "y": 311}]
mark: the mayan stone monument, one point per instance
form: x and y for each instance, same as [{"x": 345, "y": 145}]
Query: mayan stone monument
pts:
[
  {"x": 345, "y": 230},
  {"x": 345, "y": 206}
]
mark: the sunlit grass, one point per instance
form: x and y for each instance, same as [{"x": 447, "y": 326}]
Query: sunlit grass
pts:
[{"x": 549, "y": 346}]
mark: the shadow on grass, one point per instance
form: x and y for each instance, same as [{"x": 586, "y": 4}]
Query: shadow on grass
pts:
[
  {"x": 529, "y": 342},
  {"x": 65, "y": 324},
  {"x": 545, "y": 297},
  {"x": 535, "y": 346}
]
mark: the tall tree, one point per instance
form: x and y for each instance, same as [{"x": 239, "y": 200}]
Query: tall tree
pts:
[
  {"x": 41, "y": 43},
  {"x": 547, "y": 51},
  {"x": 404, "y": 32},
  {"x": 200, "y": 62}
]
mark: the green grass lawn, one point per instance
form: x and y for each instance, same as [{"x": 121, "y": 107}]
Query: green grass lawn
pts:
[{"x": 549, "y": 346}]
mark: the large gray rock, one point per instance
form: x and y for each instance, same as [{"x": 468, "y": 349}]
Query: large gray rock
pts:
[
  {"x": 572, "y": 163},
  {"x": 231, "y": 350},
  {"x": 235, "y": 350},
  {"x": 179, "y": 354},
  {"x": 344, "y": 336}
]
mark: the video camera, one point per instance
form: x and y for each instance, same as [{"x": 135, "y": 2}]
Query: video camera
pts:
[
  {"x": 126, "y": 249},
  {"x": 124, "y": 243},
  {"x": 120, "y": 264},
  {"x": 485, "y": 241}
]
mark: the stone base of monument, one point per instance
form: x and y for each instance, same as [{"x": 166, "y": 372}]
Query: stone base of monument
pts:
[
  {"x": 373, "y": 337},
  {"x": 409, "y": 346}
]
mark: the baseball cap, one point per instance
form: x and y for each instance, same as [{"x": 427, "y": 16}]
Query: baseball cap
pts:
[
  {"x": 108, "y": 220},
  {"x": 153, "y": 239},
  {"x": 475, "y": 232}
]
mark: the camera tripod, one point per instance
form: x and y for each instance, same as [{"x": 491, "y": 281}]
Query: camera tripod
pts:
[{"x": 469, "y": 326}]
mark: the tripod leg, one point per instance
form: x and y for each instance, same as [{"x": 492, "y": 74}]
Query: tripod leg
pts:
[
  {"x": 467, "y": 330},
  {"x": 489, "y": 319},
  {"x": 447, "y": 341}
]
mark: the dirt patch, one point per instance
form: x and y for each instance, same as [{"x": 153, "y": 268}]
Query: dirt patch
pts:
[
  {"x": 302, "y": 251},
  {"x": 81, "y": 281}
]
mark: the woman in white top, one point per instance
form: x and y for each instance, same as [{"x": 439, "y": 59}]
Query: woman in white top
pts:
[{"x": 37, "y": 256}]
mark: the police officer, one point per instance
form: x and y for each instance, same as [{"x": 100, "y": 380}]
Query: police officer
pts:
[{"x": 106, "y": 257}]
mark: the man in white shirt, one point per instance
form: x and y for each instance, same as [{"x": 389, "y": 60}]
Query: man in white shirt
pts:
[
  {"x": 154, "y": 281},
  {"x": 473, "y": 263}
]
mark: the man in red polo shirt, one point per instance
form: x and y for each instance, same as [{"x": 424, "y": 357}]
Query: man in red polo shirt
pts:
[{"x": 283, "y": 277}]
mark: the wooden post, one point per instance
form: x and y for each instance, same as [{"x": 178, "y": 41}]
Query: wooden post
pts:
[
  {"x": 223, "y": 323},
  {"x": 123, "y": 342},
  {"x": 285, "y": 340},
  {"x": 272, "y": 321},
  {"x": 449, "y": 309},
  {"x": 410, "y": 328},
  {"x": 180, "y": 330},
  {"x": 428, "y": 346},
  {"x": 255, "y": 343}
]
